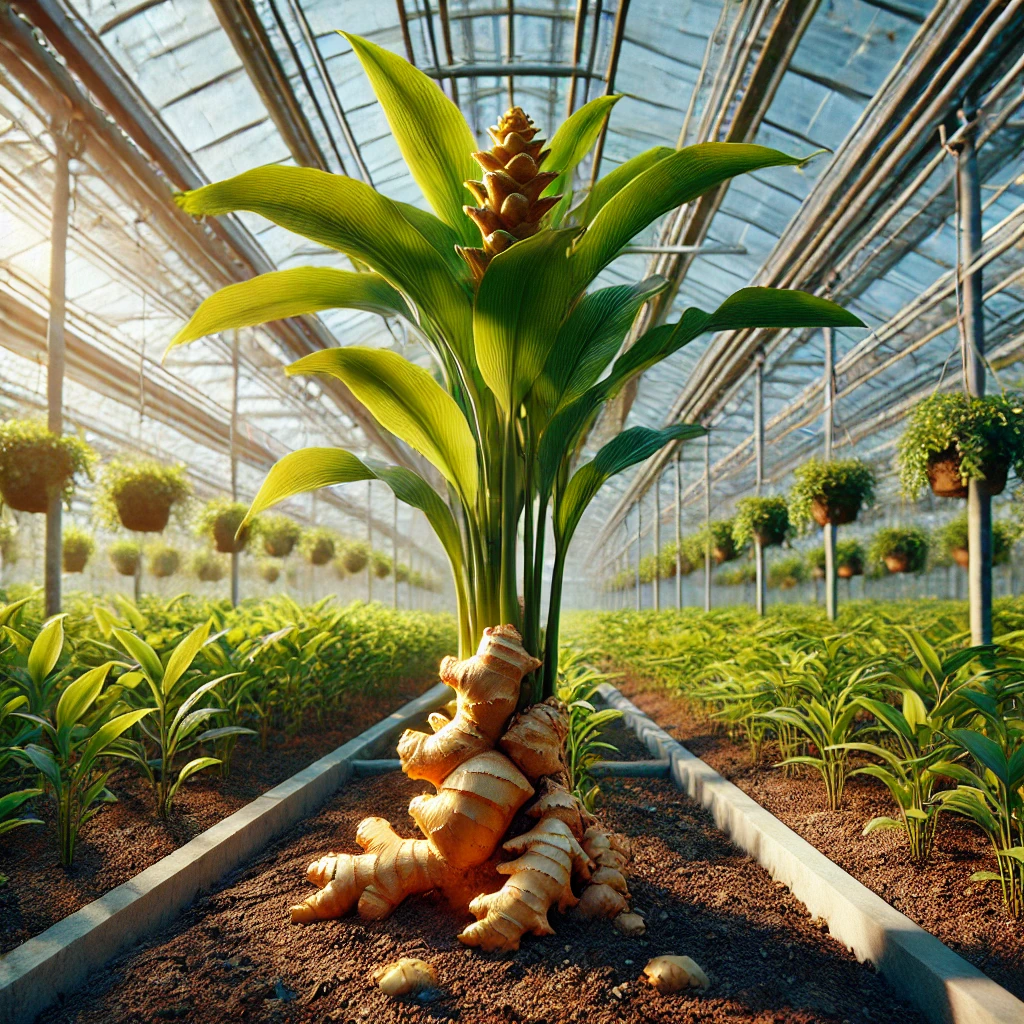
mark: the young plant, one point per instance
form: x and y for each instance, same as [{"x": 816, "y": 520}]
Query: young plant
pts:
[
  {"x": 179, "y": 723},
  {"x": 354, "y": 556},
  {"x": 900, "y": 548},
  {"x": 765, "y": 520},
  {"x": 952, "y": 540},
  {"x": 79, "y": 738},
  {"x": 139, "y": 494},
  {"x": 719, "y": 534},
  {"x": 36, "y": 465},
  {"x": 524, "y": 355},
  {"x": 37, "y": 668},
  {"x": 952, "y": 438},
  {"x": 830, "y": 492},
  {"x": 77, "y": 549}
]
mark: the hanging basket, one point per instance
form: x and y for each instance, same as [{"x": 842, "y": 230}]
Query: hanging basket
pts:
[
  {"x": 850, "y": 569},
  {"x": 125, "y": 562},
  {"x": 724, "y": 552},
  {"x": 224, "y": 529},
  {"x": 946, "y": 481},
  {"x": 321, "y": 551},
  {"x": 270, "y": 572},
  {"x": 29, "y": 493},
  {"x": 897, "y": 563},
  {"x": 164, "y": 563},
  {"x": 769, "y": 538},
  {"x": 141, "y": 511},
  {"x": 354, "y": 560},
  {"x": 74, "y": 560},
  {"x": 278, "y": 546},
  {"x": 835, "y": 513},
  {"x": 961, "y": 556}
]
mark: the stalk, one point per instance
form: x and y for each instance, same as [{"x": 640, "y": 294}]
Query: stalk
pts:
[
  {"x": 509, "y": 593},
  {"x": 550, "y": 668}
]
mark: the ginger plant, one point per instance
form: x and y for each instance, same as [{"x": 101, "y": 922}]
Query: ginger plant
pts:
[{"x": 498, "y": 285}]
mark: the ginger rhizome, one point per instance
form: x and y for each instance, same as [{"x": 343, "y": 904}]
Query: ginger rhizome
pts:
[{"x": 484, "y": 769}]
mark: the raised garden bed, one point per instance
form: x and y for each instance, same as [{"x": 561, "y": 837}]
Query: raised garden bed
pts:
[
  {"x": 968, "y": 917},
  {"x": 233, "y": 955},
  {"x": 127, "y": 837}
]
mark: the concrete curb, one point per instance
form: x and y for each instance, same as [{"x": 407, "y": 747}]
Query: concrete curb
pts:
[
  {"x": 44, "y": 969},
  {"x": 944, "y": 986}
]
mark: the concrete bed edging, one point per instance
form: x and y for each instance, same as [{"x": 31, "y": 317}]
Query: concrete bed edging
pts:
[
  {"x": 48, "y": 966},
  {"x": 919, "y": 968}
]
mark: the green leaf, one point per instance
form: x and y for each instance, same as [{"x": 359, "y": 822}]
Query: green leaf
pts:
[
  {"x": 614, "y": 181},
  {"x": 349, "y": 216},
  {"x": 184, "y": 654},
  {"x": 630, "y": 447},
  {"x": 43, "y": 761},
  {"x": 295, "y": 292},
  {"x": 46, "y": 649},
  {"x": 668, "y": 183},
  {"x": 79, "y": 695},
  {"x": 984, "y": 750},
  {"x": 147, "y": 658},
  {"x": 110, "y": 731},
  {"x": 914, "y": 710},
  {"x": 430, "y": 131},
  {"x": 190, "y": 769},
  {"x": 406, "y": 400},
  {"x": 882, "y": 824}
]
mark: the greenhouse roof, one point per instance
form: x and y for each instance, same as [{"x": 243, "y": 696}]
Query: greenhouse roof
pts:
[{"x": 166, "y": 94}]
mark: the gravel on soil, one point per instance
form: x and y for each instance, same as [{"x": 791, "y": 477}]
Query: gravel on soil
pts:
[
  {"x": 233, "y": 956},
  {"x": 127, "y": 837},
  {"x": 967, "y": 916}
]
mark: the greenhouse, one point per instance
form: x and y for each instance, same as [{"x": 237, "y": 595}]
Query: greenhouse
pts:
[{"x": 510, "y": 511}]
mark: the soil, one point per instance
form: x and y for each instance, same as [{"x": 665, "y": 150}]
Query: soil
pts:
[
  {"x": 234, "y": 956},
  {"x": 967, "y": 916},
  {"x": 127, "y": 837}
]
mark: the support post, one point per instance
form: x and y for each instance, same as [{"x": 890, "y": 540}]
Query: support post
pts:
[
  {"x": 55, "y": 358},
  {"x": 979, "y": 499},
  {"x": 707, "y": 521},
  {"x": 394, "y": 555},
  {"x": 831, "y": 581},
  {"x": 234, "y": 457},
  {"x": 639, "y": 551},
  {"x": 369, "y": 541},
  {"x": 679, "y": 527},
  {"x": 657, "y": 545},
  {"x": 761, "y": 599}
]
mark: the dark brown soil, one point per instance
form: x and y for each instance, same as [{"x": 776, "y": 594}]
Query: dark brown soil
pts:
[
  {"x": 126, "y": 837},
  {"x": 234, "y": 956},
  {"x": 969, "y": 917}
]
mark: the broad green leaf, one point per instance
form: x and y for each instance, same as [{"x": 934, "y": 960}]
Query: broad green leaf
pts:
[
  {"x": 441, "y": 237},
  {"x": 520, "y": 304},
  {"x": 295, "y": 292},
  {"x": 193, "y": 766},
  {"x": 914, "y": 710},
  {"x": 10, "y": 613},
  {"x": 110, "y": 731},
  {"x": 79, "y": 695},
  {"x": 184, "y": 654},
  {"x": 571, "y": 143},
  {"x": 882, "y": 824},
  {"x": 10, "y": 802},
  {"x": 430, "y": 131},
  {"x": 147, "y": 658},
  {"x": 779, "y": 307},
  {"x": 630, "y": 447},
  {"x": 46, "y": 649},
  {"x": 614, "y": 181},
  {"x": 349, "y": 216},
  {"x": 984, "y": 750},
  {"x": 668, "y": 183},
  {"x": 43, "y": 761},
  {"x": 406, "y": 400},
  {"x": 131, "y": 612}
]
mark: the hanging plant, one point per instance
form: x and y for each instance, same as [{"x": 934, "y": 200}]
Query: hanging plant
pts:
[
  {"x": 220, "y": 520},
  {"x": 830, "y": 492},
  {"x": 125, "y": 555},
  {"x": 36, "y": 464},
  {"x": 208, "y": 566},
  {"x": 139, "y": 494},
  {"x": 816, "y": 561},
  {"x": 901, "y": 548},
  {"x": 952, "y": 541},
  {"x": 765, "y": 520},
  {"x": 76, "y": 549},
  {"x": 950, "y": 439},
  {"x": 850, "y": 559},
  {"x": 738, "y": 575},
  {"x": 355, "y": 557},
  {"x": 270, "y": 570},
  {"x": 786, "y": 573},
  {"x": 279, "y": 534},
  {"x": 8, "y": 542},
  {"x": 402, "y": 573},
  {"x": 381, "y": 565},
  {"x": 319, "y": 545},
  {"x": 723, "y": 543},
  {"x": 163, "y": 560}
]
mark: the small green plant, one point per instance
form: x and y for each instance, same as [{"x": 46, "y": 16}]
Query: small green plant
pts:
[
  {"x": 37, "y": 667},
  {"x": 983, "y": 436},
  {"x": 124, "y": 556},
  {"x": 219, "y": 521},
  {"x": 850, "y": 558},
  {"x": 77, "y": 548},
  {"x": 8, "y": 542},
  {"x": 179, "y": 722},
  {"x": 787, "y": 573},
  {"x": 354, "y": 557},
  {"x": 952, "y": 540},
  {"x": 763, "y": 519},
  {"x": 278, "y": 533},
  {"x": 900, "y": 548},
  {"x": 163, "y": 560},
  {"x": 79, "y": 737},
  {"x": 319, "y": 545},
  {"x": 139, "y": 494},
  {"x": 208, "y": 566},
  {"x": 719, "y": 534},
  {"x": 830, "y": 492},
  {"x": 36, "y": 464}
]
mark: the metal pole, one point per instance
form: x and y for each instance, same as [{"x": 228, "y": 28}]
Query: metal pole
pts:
[
  {"x": 831, "y": 582},
  {"x": 55, "y": 357},
  {"x": 707, "y": 521},
  {"x": 394, "y": 555},
  {"x": 657, "y": 545},
  {"x": 979, "y": 500},
  {"x": 234, "y": 457},
  {"x": 761, "y": 582},
  {"x": 369, "y": 541},
  {"x": 679, "y": 527},
  {"x": 639, "y": 552}
]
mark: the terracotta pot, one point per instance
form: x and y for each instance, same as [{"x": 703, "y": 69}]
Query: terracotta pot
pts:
[
  {"x": 961, "y": 556},
  {"x": 833, "y": 512},
  {"x": 769, "y": 538},
  {"x": 165, "y": 564},
  {"x": 850, "y": 569},
  {"x": 74, "y": 561},
  {"x": 946, "y": 482},
  {"x": 142, "y": 514},
  {"x": 723, "y": 554},
  {"x": 897, "y": 563},
  {"x": 818, "y": 573},
  {"x": 224, "y": 537},
  {"x": 278, "y": 547},
  {"x": 29, "y": 494}
]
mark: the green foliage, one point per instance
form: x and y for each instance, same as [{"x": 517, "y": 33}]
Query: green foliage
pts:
[
  {"x": 78, "y": 547},
  {"x": 208, "y": 566},
  {"x": 8, "y": 541},
  {"x": 278, "y": 533},
  {"x": 766, "y": 519},
  {"x": 162, "y": 560},
  {"x": 134, "y": 488},
  {"x": 843, "y": 483},
  {"x": 319, "y": 544},
  {"x": 738, "y": 575},
  {"x": 124, "y": 556},
  {"x": 721, "y": 535},
  {"x": 984, "y": 432},
  {"x": 270, "y": 570},
  {"x": 220, "y": 521},
  {"x": 35, "y": 463},
  {"x": 786, "y": 573},
  {"x": 953, "y": 537},
  {"x": 381, "y": 565},
  {"x": 354, "y": 557},
  {"x": 902, "y": 542}
]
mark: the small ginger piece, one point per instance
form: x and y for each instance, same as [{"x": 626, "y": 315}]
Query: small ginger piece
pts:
[
  {"x": 674, "y": 973},
  {"x": 405, "y": 977},
  {"x": 601, "y": 901},
  {"x": 556, "y": 801},
  {"x": 607, "y": 894},
  {"x": 536, "y": 739},
  {"x": 630, "y": 924}
]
